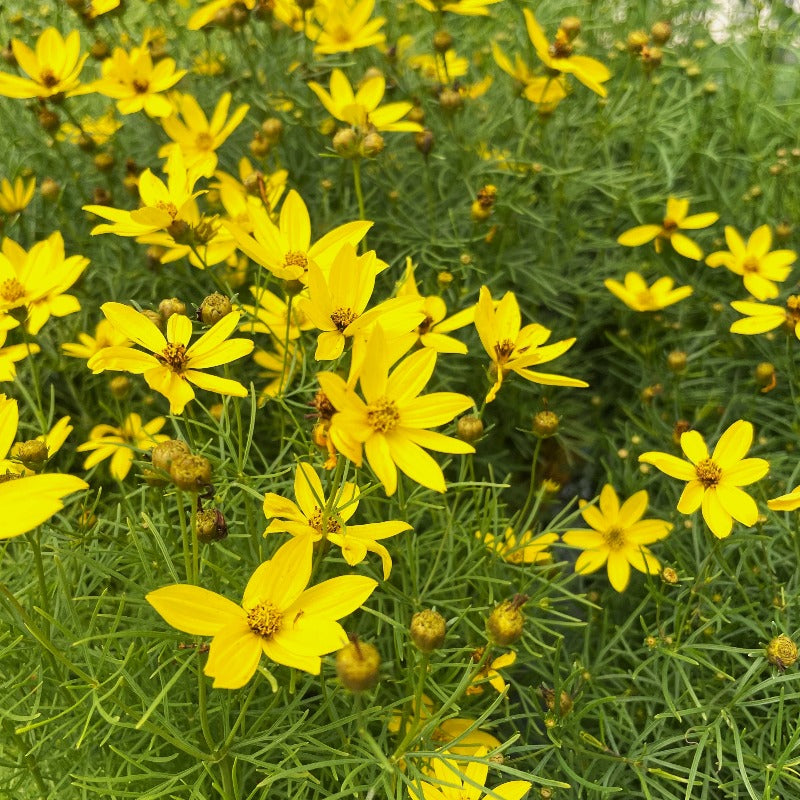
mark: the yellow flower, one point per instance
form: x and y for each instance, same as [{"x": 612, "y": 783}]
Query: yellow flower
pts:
[
  {"x": 174, "y": 366},
  {"x": 546, "y": 92},
  {"x": 675, "y": 220},
  {"x": 525, "y": 549},
  {"x": 345, "y": 26},
  {"x": 207, "y": 12},
  {"x": 618, "y": 537},
  {"x": 100, "y": 129},
  {"x": 636, "y": 294},
  {"x": 786, "y": 502},
  {"x": 391, "y": 425},
  {"x": 54, "y": 68},
  {"x": 136, "y": 83},
  {"x": 432, "y": 331},
  {"x": 279, "y": 616},
  {"x": 272, "y": 315},
  {"x": 438, "y": 68},
  {"x": 14, "y": 352},
  {"x": 252, "y": 189},
  {"x": 305, "y": 519},
  {"x": 559, "y": 56},
  {"x": 96, "y": 8},
  {"x": 279, "y": 367},
  {"x": 763, "y": 317},
  {"x": 14, "y": 199},
  {"x": 27, "y": 502},
  {"x": 197, "y": 136},
  {"x": 105, "y": 335},
  {"x": 362, "y": 109},
  {"x": 456, "y": 780},
  {"x": 36, "y": 280},
  {"x": 466, "y": 8},
  {"x": 714, "y": 481},
  {"x": 515, "y": 349},
  {"x": 753, "y": 261},
  {"x": 119, "y": 444},
  {"x": 488, "y": 673},
  {"x": 286, "y": 249},
  {"x": 166, "y": 207}
]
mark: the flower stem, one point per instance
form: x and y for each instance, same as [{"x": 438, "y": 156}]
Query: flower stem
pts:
[{"x": 360, "y": 197}]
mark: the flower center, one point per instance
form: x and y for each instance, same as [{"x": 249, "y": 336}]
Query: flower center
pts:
[
  {"x": 425, "y": 326},
  {"x": 343, "y": 317},
  {"x": 315, "y": 521},
  {"x": 614, "y": 538},
  {"x": 708, "y": 473},
  {"x": 504, "y": 349},
  {"x": 383, "y": 415},
  {"x": 48, "y": 79},
  {"x": 11, "y": 290},
  {"x": 265, "y": 619},
  {"x": 750, "y": 264},
  {"x": 174, "y": 357},
  {"x": 645, "y": 298},
  {"x": 294, "y": 258},
  {"x": 668, "y": 227},
  {"x": 560, "y": 49},
  {"x": 141, "y": 87},
  {"x": 170, "y": 208},
  {"x": 204, "y": 141},
  {"x": 792, "y": 310}
]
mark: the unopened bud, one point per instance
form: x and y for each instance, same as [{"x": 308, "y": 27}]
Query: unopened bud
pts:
[
  {"x": 469, "y": 429},
  {"x": 210, "y": 526},
  {"x": 153, "y": 316},
  {"x": 162, "y": 455},
  {"x": 169, "y": 306},
  {"x": 48, "y": 119},
  {"x": 450, "y": 100},
  {"x": 676, "y": 361},
  {"x": 33, "y": 454},
  {"x": 661, "y": 32},
  {"x": 637, "y": 40},
  {"x": 564, "y": 701},
  {"x": 103, "y": 162},
  {"x": 545, "y": 423},
  {"x": 120, "y": 386},
  {"x": 765, "y": 374},
  {"x": 358, "y": 666},
  {"x": 99, "y": 50},
  {"x": 507, "y": 622},
  {"x": 442, "y": 41},
  {"x": 782, "y": 652},
  {"x": 571, "y": 27},
  {"x": 345, "y": 142},
  {"x": 272, "y": 128},
  {"x": 191, "y": 473},
  {"x": 428, "y": 629},
  {"x": 214, "y": 308},
  {"x": 669, "y": 575},
  {"x": 372, "y": 144},
  {"x": 50, "y": 190},
  {"x": 424, "y": 141}
]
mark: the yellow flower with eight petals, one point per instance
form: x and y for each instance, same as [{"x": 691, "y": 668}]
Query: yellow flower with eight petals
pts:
[
  {"x": 714, "y": 481},
  {"x": 636, "y": 294}
]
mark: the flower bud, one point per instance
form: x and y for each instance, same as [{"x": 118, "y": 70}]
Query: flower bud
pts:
[
  {"x": 33, "y": 454},
  {"x": 676, "y": 361},
  {"x": 417, "y": 114},
  {"x": 50, "y": 190},
  {"x": 424, "y": 141},
  {"x": 661, "y": 32},
  {"x": 444, "y": 278},
  {"x": 259, "y": 145},
  {"x": 161, "y": 456},
  {"x": 450, "y": 100},
  {"x": 190, "y": 473},
  {"x": 272, "y": 128},
  {"x": 120, "y": 386},
  {"x": 507, "y": 622},
  {"x": 153, "y": 316},
  {"x": 210, "y": 526},
  {"x": 564, "y": 701},
  {"x": 372, "y": 144},
  {"x": 668, "y": 575},
  {"x": 214, "y": 308},
  {"x": 99, "y": 50},
  {"x": 782, "y": 652},
  {"x": 345, "y": 142},
  {"x": 545, "y": 423},
  {"x": 469, "y": 429},
  {"x": 428, "y": 629},
  {"x": 783, "y": 230},
  {"x": 765, "y": 375},
  {"x": 571, "y": 27},
  {"x": 637, "y": 40},
  {"x": 48, "y": 119},
  {"x": 169, "y": 306},
  {"x": 358, "y": 666},
  {"x": 442, "y": 41},
  {"x": 8, "y": 56},
  {"x": 104, "y": 162}
]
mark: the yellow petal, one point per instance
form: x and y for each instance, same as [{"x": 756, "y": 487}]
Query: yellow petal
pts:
[
  {"x": 639, "y": 235},
  {"x": 716, "y": 517},
  {"x": 194, "y": 610},
  {"x": 233, "y": 656}
]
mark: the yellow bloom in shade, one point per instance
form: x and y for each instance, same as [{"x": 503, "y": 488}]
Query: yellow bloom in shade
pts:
[
  {"x": 105, "y": 335},
  {"x": 271, "y": 316},
  {"x": 120, "y": 444},
  {"x": 101, "y": 129},
  {"x": 37, "y": 280},
  {"x": 173, "y": 366},
  {"x": 515, "y": 349},
  {"x": 306, "y": 517},
  {"x": 488, "y": 673},
  {"x": 136, "y": 83},
  {"x": 26, "y": 503},
  {"x": 279, "y": 616},
  {"x": 362, "y": 109},
  {"x": 786, "y": 502},
  {"x": 456, "y": 780},
  {"x": 345, "y": 26},
  {"x": 466, "y": 8},
  {"x": 763, "y": 317},
  {"x": 636, "y": 294},
  {"x": 560, "y": 58},
  {"x": 676, "y": 220},
  {"x": 391, "y": 425},
  {"x": 618, "y": 537},
  {"x": 198, "y": 137},
  {"x": 53, "y": 68},
  {"x": 523, "y": 549},
  {"x": 279, "y": 368},
  {"x": 753, "y": 261},
  {"x": 714, "y": 481},
  {"x": 286, "y": 249},
  {"x": 207, "y": 12},
  {"x": 547, "y": 92},
  {"x": 14, "y": 199}
]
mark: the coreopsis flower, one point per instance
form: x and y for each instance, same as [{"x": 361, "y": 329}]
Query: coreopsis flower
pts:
[
  {"x": 314, "y": 512},
  {"x": 432, "y": 331},
  {"x": 278, "y": 367},
  {"x": 286, "y": 249},
  {"x": 560, "y": 56},
  {"x": 337, "y": 305},
  {"x": 675, "y": 221},
  {"x": 523, "y": 549},
  {"x": 36, "y": 280},
  {"x": 279, "y": 616},
  {"x": 207, "y": 12},
  {"x": 100, "y": 129},
  {"x": 619, "y": 537},
  {"x": 763, "y": 317},
  {"x": 252, "y": 188},
  {"x": 636, "y": 294},
  {"x": 362, "y": 109},
  {"x": 105, "y": 335},
  {"x": 53, "y": 69},
  {"x": 714, "y": 481},
  {"x": 516, "y": 349},
  {"x": 25, "y": 503},
  {"x": 489, "y": 673},
  {"x": 456, "y": 780},
  {"x": 136, "y": 83},
  {"x": 759, "y": 267},
  {"x": 165, "y": 206},
  {"x": 391, "y": 426},
  {"x": 198, "y": 136},
  {"x": 466, "y": 8},
  {"x": 13, "y": 353},
  {"x": 15, "y": 198},
  {"x": 172, "y": 366},
  {"x": 345, "y": 26},
  {"x": 272, "y": 316},
  {"x": 786, "y": 502},
  {"x": 545, "y": 91},
  {"x": 121, "y": 443}
]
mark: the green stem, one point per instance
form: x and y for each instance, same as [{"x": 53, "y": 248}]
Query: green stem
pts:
[
  {"x": 360, "y": 197},
  {"x": 37, "y": 389},
  {"x": 33, "y": 538},
  {"x": 532, "y": 487},
  {"x": 185, "y": 534},
  {"x": 333, "y": 496}
]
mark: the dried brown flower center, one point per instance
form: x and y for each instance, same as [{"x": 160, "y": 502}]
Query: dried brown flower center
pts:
[
  {"x": 342, "y": 317},
  {"x": 11, "y": 290},
  {"x": 174, "y": 357},
  {"x": 708, "y": 473},
  {"x": 383, "y": 415},
  {"x": 265, "y": 619},
  {"x": 504, "y": 349},
  {"x": 560, "y": 49},
  {"x": 141, "y": 87},
  {"x": 425, "y": 326},
  {"x": 48, "y": 78},
  {"x": 315, "y": 521},
  {"x": 614, "y": 538}
]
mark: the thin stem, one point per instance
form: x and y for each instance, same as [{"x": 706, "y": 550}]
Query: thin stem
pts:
[
  {"x": 532, "y": 488},
  {"x": 185, "y": 534},
  {"x": 360, "y": 197},
  {"x": 33, "y": 538}
]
